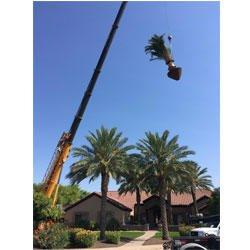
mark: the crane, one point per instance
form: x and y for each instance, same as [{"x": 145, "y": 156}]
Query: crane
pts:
[{"x": 52, "y": 176}]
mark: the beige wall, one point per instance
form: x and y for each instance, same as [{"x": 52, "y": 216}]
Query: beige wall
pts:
[{"x": 90, "y": 209}]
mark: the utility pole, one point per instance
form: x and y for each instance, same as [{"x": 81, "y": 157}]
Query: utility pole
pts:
[{"x": 52, "y": 177}]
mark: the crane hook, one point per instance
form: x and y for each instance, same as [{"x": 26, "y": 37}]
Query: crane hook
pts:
[{"x": 170, "y": 38}]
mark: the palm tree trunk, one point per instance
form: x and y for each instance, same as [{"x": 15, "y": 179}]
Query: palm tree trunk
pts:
[
  {"x": 194, "y": 200},
  {"x": 104, "y": 190},
  {"x": 168, "y": 58},
  {"x": 138, "y": 204},
  {"x": 170, "y": 210},
  {"x": 165, "y": 233}
]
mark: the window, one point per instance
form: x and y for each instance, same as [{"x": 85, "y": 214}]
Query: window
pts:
[{"x": 78, "y": 218}]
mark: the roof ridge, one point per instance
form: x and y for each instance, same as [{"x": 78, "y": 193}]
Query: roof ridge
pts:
[{"x": 95, "y": 193}]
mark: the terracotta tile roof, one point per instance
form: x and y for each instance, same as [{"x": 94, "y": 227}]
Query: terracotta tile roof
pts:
[
  {"x": 109, "y": 199},
  {"x": 129, "y": 200},
  {"x": 186, "y": 198}
]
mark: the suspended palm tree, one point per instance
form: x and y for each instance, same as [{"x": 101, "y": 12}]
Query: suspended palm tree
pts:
[
  {"x": 104, "y": 157},
  {"x": 164, "y": 156},
  {"x": 196, "y": 178},
  {"x": 133, "y": 179},
  {"x": 158, "y": 51}
]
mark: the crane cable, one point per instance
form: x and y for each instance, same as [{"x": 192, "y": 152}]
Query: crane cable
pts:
[{"x": 170, "y": 36}]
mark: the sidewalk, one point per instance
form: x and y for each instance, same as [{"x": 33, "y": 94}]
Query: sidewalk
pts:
[{"x": 140, "y": 240}]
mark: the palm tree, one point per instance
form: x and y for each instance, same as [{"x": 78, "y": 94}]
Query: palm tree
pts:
[
  {"x": 158, "y": 51},
  {"x": 133, "y": 179},
  {"x": 196, "y": 178},
  {"x": 103, "y": 157},
  {"x": 164, "y": 156}
]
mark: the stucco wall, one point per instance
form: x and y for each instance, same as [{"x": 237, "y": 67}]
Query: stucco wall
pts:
[{"x": 90, "y": 210}]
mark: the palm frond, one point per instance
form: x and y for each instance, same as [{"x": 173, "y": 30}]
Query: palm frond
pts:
[
  {"x": 105, "y": 153},
  {"x": 156, "y": 47}
]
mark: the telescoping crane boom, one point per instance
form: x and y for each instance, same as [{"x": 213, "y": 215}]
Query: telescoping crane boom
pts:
[{"x": 54, "y": 170}]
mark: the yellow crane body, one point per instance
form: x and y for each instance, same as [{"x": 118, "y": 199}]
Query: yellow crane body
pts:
[{"x": 52, "y": 177}]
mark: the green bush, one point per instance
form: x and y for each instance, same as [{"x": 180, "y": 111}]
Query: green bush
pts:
[
  {"x": 85, "y": 238},
  {"x": 113, "y": 225},
  {"x": 72, "y": 235},
  {"x": 113, "y": 237},
  {"x": 43, "y": 210},
  {"x": 185, "y": 230},
  {"x": 52, "y": 237}
]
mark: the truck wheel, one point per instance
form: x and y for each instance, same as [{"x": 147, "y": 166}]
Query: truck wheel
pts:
[{"x": 193, "y": 246}]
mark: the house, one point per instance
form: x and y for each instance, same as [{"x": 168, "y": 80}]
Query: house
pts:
[
  {"x": 89, "y": 207},
  {"x": 182, "y": 207},
  {"x": 123, "y": 207}
]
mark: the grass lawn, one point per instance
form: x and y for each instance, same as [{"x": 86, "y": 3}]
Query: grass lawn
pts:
[
  {"x": 158, "y": 235},
  {"x": 157, "y": 240},
  {"x": 131, "y": 234},
  {"x": 128, "y": 235}
]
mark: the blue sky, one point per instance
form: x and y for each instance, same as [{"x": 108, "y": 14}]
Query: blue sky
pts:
[{"x": 132, "y": 93}]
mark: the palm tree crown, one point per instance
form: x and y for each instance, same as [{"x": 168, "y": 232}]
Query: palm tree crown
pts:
[
  {"x": 105, "y": 155},
  {"x": 195, "y": 178},
  {"x": 161, "y": 152},
  {"x": 133, "y": 175},
  {"x": 157, "y": 49}
]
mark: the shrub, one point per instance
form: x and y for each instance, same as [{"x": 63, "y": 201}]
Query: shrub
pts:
[
  {"x": 72, "y": 235},
  {"x": 43, "y": 210},
  {"x": 113, "y": 237},
  {"x": 185, "y": 230},
  {"x": 51, "y": 237},
  {"x": 113, "y": 225},
  {"x": 85, "y": 238}
]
